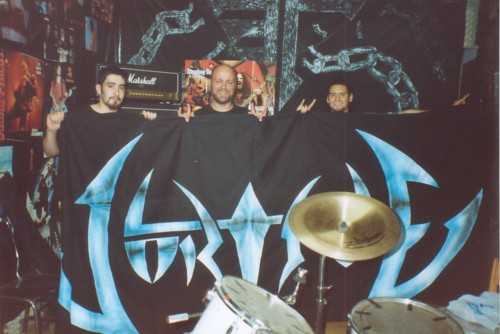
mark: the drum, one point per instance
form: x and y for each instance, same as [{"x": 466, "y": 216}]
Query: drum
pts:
[
  {"x": 239, "y": 307},
  {"x": 396, "y": 316}
]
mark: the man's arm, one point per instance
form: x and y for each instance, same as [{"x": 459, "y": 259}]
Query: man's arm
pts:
[{"x": 54, "y": 120}]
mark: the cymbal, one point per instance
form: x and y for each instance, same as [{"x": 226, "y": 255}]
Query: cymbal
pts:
[{"x": 345, "y": 226}]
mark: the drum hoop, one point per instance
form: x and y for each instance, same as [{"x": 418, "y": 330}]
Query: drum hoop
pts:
[
  {"x": 247, "y": 318},
  {"x": 403, "y": 301}
]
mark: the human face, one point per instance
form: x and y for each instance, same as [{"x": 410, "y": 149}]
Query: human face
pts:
[
  {"x": 223, "y": 85},
  {"x": 240, "y": 80},
  {"x": 199, "y": 85},
  {"x": 111, "y": 92},
  {"x": 339, "y": 98}
]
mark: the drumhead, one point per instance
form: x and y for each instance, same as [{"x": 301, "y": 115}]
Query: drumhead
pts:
[
  {"x": 397, "y": 315},
  {"x": 259, "y": 308}
]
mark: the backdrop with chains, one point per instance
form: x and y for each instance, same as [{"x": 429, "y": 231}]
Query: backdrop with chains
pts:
[{"x": 397, "y": 55}]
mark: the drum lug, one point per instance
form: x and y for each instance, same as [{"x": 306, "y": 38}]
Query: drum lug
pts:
[{"x": 209, "y": 296}]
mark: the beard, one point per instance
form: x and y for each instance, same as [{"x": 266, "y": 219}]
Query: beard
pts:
[
  {"x": 113, "y": 102},
  {"x": 222, "y": 97}
]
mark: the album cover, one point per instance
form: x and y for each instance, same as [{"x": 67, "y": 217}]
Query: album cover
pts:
[
  {"x": 255, "y": 83},
  {"x": 24, "y": 92}
]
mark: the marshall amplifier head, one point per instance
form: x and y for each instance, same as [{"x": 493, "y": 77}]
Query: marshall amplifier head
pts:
[{"x": 149, "y": 84}]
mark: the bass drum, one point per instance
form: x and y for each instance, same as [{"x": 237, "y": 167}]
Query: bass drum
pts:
[
  {"x": 396, "y": 316},
  {"x": 240, "y": 307}
]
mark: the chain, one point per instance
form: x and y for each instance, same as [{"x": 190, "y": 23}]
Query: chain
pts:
[
  {"x": 397, "y": 83},
  {"x": 152, "y": 39},
  {"x": 216, "y": 51},
  {"x": 317, "y": 29}
]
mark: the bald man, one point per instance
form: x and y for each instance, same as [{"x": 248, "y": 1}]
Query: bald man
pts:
[{"x": 223, "y": 89}]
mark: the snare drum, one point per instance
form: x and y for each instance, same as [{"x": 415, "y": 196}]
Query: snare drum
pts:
[
  {"x": 396, "y": 316},
  {"x": 239, "y": 307}
]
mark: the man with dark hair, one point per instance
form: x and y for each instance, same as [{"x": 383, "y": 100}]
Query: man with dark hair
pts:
[
  {"x": 223, "y": 89},
  {"x": 110, "y": 69},
  {"x": 339, "y": 97},
  {"x": 110, "y": 89}
]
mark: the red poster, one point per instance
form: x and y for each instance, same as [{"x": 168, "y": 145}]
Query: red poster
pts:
[
  {"x": 255, "y": 83},
  {"x": 24, "y": 92}
]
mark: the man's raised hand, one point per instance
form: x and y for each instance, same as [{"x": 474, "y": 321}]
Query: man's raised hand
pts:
[
  {"x": 148, "y": 115},
  {"x": 54, "y": 120},
  {"x": 303, "y": 107},
  {"x": 186, "y": 112}
]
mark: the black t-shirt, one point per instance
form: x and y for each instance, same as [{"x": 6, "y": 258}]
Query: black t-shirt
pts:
[
  {"x": 89, "y": 114},
  {"x": 208, "y": 110}
]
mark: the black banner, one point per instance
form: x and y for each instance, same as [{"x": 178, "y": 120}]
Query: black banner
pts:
[{"x": 157, "y": 211}]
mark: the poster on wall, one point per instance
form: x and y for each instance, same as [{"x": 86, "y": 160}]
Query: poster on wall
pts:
[
  {"x": 14, "y": 18},
  {"x": 24, "y": 92},
  {"x": 255, "y": 83},
  {"x": 90, "y": 34}
]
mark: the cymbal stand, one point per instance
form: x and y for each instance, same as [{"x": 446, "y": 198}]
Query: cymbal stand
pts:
[{"x": 320, "y": 299}]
